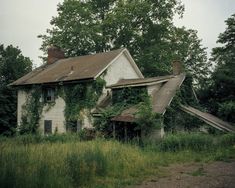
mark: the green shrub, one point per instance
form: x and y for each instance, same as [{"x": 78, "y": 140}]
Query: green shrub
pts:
[
  {"x": 227, "y": 140},
  {"x": 177, "y": 142}
]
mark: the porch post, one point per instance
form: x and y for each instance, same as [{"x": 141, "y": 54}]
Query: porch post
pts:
[
  {"x": 125, "y": 132},
  {"x": 114, "y": 134}
]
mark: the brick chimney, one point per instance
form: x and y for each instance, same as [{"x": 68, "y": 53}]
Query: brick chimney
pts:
[
  {"x": 54, "y": 53},
  {"x": 177, "y": 67}
]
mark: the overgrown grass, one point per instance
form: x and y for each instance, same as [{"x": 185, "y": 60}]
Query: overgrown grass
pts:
[
  {"x": 178, "y": 142},
  {"x": 58, "y": 161}
]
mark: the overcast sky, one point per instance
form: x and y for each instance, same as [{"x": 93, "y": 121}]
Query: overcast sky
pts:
[{"x": 21, "y": 21}]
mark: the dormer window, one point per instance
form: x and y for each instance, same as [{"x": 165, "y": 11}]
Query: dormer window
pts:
[{"x": 49, "y": 95}]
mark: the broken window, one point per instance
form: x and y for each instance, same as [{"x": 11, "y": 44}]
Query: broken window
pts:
[{"x": 49, "y": 94}]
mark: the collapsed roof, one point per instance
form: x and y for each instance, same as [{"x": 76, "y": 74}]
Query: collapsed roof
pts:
[{"x": 161, "y": 98}]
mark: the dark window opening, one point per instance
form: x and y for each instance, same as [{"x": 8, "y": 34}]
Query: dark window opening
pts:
[
  {"x": 73, "y": 126},
  {"x": 47, "y": 126},
  {"x": 49, "y": 95}
]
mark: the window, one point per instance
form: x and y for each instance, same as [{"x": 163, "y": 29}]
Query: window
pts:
[
  {"x": 47, "y": 126},
  {"x": 73, "y": 126},
  {"x": 49, "y": 95}
]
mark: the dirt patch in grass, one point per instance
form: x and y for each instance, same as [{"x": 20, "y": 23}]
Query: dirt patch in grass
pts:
[{"x": 213, "y": 175}]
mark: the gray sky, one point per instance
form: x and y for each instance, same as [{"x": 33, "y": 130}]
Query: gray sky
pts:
[{"x": 22, "y": 20}]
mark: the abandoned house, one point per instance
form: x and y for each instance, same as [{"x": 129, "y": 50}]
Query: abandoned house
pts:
[{"x": 71, "y": 111}]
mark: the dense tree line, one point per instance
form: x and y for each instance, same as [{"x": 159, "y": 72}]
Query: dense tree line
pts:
[
  {"x": 13, "y": 65},
  {"x": 144, "y": 27},
  {"x": 219, "y": 95}
]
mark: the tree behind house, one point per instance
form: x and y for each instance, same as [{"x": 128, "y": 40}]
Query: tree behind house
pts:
[
  {"x": 219, "y": 95},
  {"x": 13, "y": 65},
  {"x": 145, "y": 28}
]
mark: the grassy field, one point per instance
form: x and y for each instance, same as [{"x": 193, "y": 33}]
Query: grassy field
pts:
[{"x": 65, "y": 161}]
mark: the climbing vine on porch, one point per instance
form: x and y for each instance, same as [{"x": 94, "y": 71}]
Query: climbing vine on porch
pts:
[{"x": 123, "y": 98}]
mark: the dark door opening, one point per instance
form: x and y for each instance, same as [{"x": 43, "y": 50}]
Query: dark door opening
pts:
[{"x": 47, "y": 126}]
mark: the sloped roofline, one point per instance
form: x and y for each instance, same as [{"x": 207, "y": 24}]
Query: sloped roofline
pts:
[
  {"x": 30, "y": 78},
  {"x": 129, "y": 57}
]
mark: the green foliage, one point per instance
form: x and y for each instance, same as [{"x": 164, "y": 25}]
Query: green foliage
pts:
[
  {"x": 226, "y": 110},
  {"x": 31, "y": 111},
  {"x": 227, "y": 140},
  {"x": 144, "y": 27},
  {"x": 77, "y": 164},
  {"x": 100, "y": 163},
  {"x": 85, "y": 167},
  {"x": 121, "y": 100},
  {"x": 92, "y": 25},
  {"x": 28, "y": 139},
  {"x": 174, "y": 118},
  {"x": 147, "y": 120},
  {"x": 103, "y": 123},
  {"x": 129, "y": 95},
  {"x": 13, "y": 65},
  {"x": 77, "y": 98},
  {"x": 219, "y": 95},
  {"x": 81, "y": 96},
  {"x": 195, "y": 142}
]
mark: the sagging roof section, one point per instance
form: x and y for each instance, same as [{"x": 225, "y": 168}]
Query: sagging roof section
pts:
[
  {"x": 75, "y": 68},
  {"x": 161, "y": 99},
  {"x": 140, "y": 82},
  {"x": 127, "y": 115},
  {"x": 209, "y": 119}
]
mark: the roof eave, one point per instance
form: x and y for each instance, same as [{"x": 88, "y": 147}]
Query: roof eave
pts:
[{"x": 137, "y": 84}]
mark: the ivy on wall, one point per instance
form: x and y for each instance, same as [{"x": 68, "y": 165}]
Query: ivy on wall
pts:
[
  {"x": 31, "y": 111},
  {"x": 123, "y": 98},
  {"x": 81, "y": 96},
  {"x": 129, "y": 95},
  {"x": 77, "y": 97}
]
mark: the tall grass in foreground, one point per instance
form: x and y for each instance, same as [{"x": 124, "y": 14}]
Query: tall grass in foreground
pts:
[{"x": 65, "y": 162}]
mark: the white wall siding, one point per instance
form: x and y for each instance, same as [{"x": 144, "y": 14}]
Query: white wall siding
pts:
[
  {"x": 56, "y": 114},
  {"x": 21, "y": 96},
  {"x": 120, "y": 69}
]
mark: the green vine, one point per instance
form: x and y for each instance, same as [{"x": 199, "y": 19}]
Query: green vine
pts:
[
  {"x": 146, "y": 119},
  {"x": 81, "y": 96},
  {"x": 129, "y": 95},
  {"x": 31, "y": 111},
  {"x": 124, "y": 98},
  {"x": 77, "y": 97},
  {"x": 174, "y": 118}
]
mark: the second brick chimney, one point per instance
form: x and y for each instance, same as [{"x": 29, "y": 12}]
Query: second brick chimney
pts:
[
  {"x": 177, "y": 67},
  {"x": 54, "y": 53}
]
